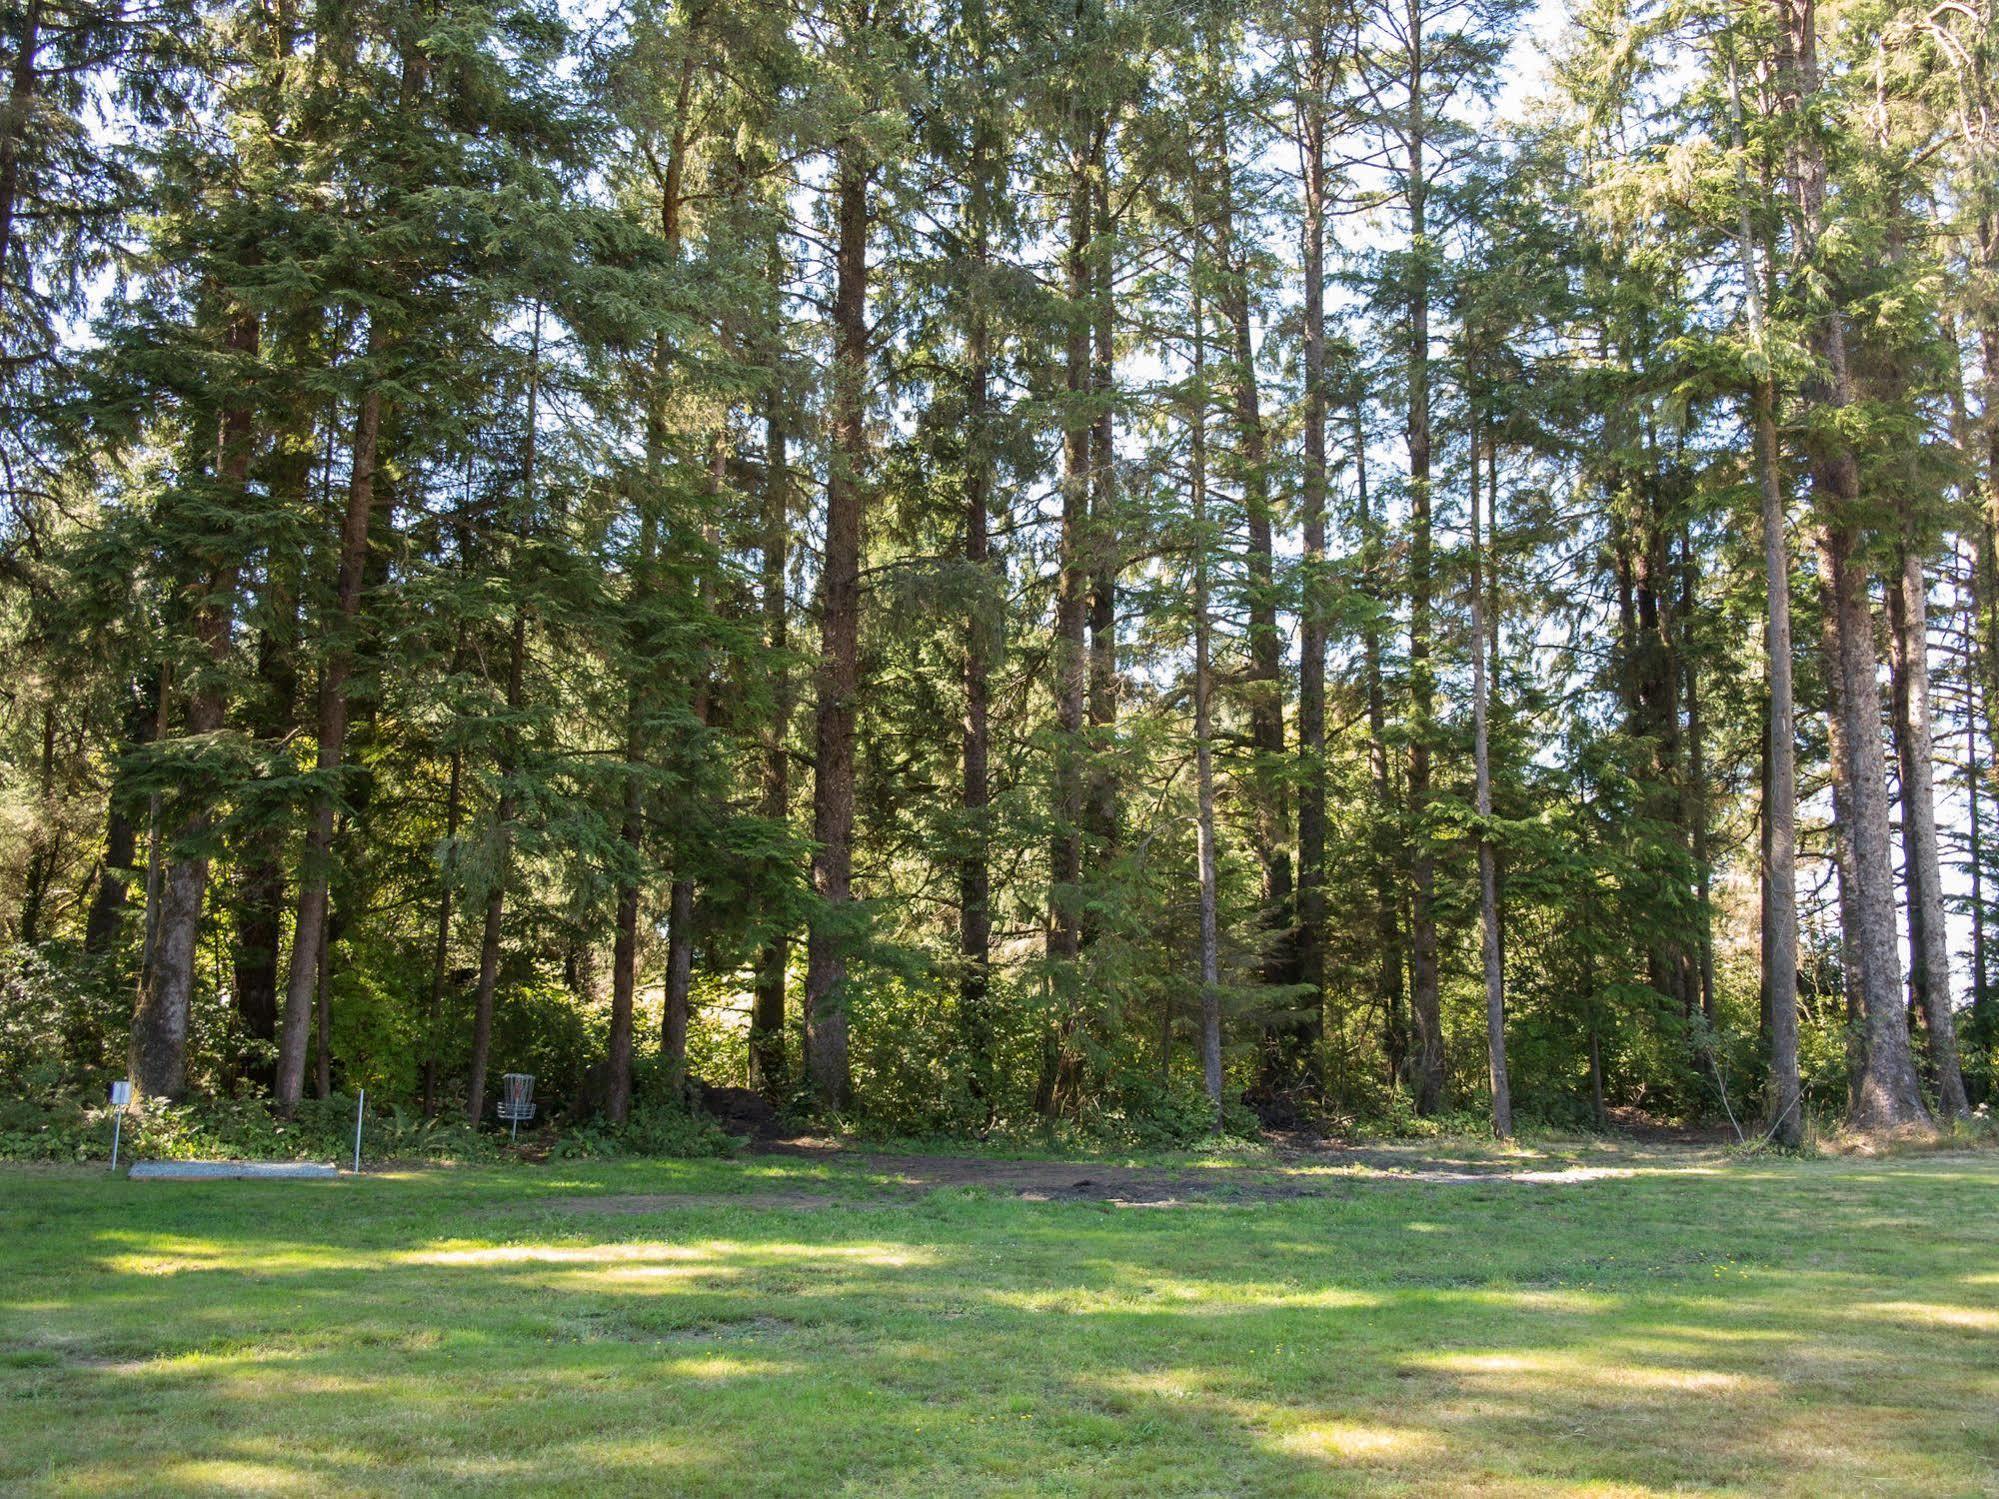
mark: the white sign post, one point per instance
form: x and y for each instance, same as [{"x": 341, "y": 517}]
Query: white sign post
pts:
[
  {"x": 121, "y": 1099},
  {"x": 360, "y": 1102}
]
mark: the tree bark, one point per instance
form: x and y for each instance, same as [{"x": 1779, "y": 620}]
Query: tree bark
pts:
[
  {"x": 1069, "y": 656},
  {"x": 1887, "y": 1095},
  {"x": 158, "y": 1054},
  {"x": 829, "y": 934},
  {"x": 1488, "y": 863},
  {"x": 1929, "y": 944},
  {"x": 1204, "y": 767},
  {"x": 107, "y": 905},
  {"x": 441, "y": 944},
  {"x": 1312, "y": 630},
  {"x": 975, "y": 1027},
  {"x": 1104, "y": 527},
  {"x": 496, "y": 895},
  {"x": 768, "y": 1070},
  {"x": 23, "y": 85},
  {"x": 316, "y": 868},
  {"x": 1425, "y": 1003},
  {"x": 1288, "y": 1045}
]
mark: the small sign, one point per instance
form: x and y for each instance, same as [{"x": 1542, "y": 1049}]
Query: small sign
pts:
[{"x": 121, "y": 1094}]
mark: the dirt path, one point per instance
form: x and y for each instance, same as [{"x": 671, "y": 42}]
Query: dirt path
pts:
[{"x": 857, "y": 1179}]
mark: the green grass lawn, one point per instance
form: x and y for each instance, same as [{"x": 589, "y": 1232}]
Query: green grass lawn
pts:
[{"x": 1698, "y": 1325}]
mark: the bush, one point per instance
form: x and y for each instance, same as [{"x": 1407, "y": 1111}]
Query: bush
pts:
[{"x": 654, "y": 1129}]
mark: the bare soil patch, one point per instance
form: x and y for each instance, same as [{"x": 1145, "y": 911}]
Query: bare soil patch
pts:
[{"x": 876, "y": 1181}]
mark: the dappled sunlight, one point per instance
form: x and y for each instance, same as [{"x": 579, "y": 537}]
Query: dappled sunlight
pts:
[
  {"x": 1162, "y": 1295},
  {"x": 717, "y": 1254},
  {"x": 1349, "y": 1442},
  {"x": 553, "y": 1254},
  {"x": 1574, "y": 1369},
  {"x": 238, "y": 1476},
  {"x": 1476, "y": 1341},
  {"x": 1931, "y": 1314},
  {"x": 716, "y": 1367}
]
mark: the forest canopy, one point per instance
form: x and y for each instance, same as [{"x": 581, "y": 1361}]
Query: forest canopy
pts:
[{"x": 962, "y": 563}]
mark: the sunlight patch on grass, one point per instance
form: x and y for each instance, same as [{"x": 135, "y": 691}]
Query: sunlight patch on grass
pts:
[
  {"x": 716, "y": 1367},
  {"x": 1931, "y": 1314},
  {"x": 221, "y": 1475},
  {"x": 557, "y": 1254},
  {"x": 1345, "y": 1442},
  {"x": 1570, "y": 1369},
  {"x": 1159, "y": 1295}
]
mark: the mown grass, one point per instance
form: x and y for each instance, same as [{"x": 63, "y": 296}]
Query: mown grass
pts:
[{"x": 1804, "y": 1327}]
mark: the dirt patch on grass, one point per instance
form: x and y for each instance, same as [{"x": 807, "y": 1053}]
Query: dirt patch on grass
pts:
[
  {"x": 878, "y": 1182},
  {"x": 775, "y": 1199}
]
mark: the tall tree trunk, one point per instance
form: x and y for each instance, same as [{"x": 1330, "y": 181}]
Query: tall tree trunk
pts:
[
  {"x": 1888, "y": 1095},
  {"x": 316, "y": 866},
  {"x": 768, "y": 1071},
  {"x": 1105, "y": 543},
  {"x": 107, "y": 905},
  {"x": 631, "y": 831},
  {"x": 1784, "y": 1103},
  {"x": 1287, "y": 1046},
  {"x": 975, "y": 1027},
  {"x": 1488, "y": 862},
  {"x": 20, "y": 108},
  {"x": 1387, "y": 903},
  {"x": 1071, "y": 664},
  {"x": 839, "y": 643},
  {"x": 1929, "y": 943},
  {"x": 158, "y": 1056},
  {"x": 1311, "y": 956},
  {"x": 1425, "y": 1004},
  {"x": 496, "y": 894},
  {"x": 1696, "y": 800},
  {"x": 677, "y": 994},
  {"x": 441, "y": 944},
  {"x": 1204, "y": 766}
]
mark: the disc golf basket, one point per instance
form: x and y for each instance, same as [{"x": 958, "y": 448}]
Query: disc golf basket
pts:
[{"x": 517, "y": 1100}]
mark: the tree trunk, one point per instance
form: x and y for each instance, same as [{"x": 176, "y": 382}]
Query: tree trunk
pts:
[
  {"x": 20, "y": 108},
  {"x": 316, "y": 867},
  {"x": 768, "y": 1071},
  {"x": 158, "y": 1056},
  {"x": 1928, "y": 935},
  {"x": 496, "y": 896},
  {"x": 839, "y": 642},
  {"x": 1069, "y": 656},
  {"x": 1887, "y": 1095},
  {"x": 1387, "y": 903},
  {"x": 975, "y": 1026},
  {"x": 441, "y": 944},
  {"x": 1204, "y": 768},
  {"x": 678, "y": 998},
  {"x": 1425, "y": 1004},
  {"x": 1311, "y": 957},
  {"x": 1488, "y": 863},
  {"x": 1287, "y": 1045},
  {"x": 107, "y": 906},
  {"x": 1104, "y": 539},
  {"x": 1696, "y": 801}
]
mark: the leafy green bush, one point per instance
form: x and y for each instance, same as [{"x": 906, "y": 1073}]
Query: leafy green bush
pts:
[{"x": 654, "y": 1129}]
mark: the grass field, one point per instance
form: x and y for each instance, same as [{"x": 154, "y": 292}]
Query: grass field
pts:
[{"x": 1653, "y": 1323}]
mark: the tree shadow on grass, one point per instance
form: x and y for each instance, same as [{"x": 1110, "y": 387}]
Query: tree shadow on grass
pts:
[{"x": 1627, "y": 1336}]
